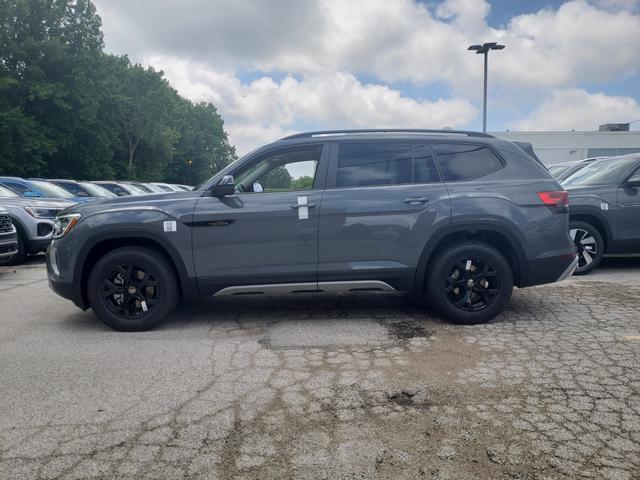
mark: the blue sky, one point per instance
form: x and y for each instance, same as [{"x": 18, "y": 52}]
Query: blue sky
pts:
[{"x": 283, "y": 66}]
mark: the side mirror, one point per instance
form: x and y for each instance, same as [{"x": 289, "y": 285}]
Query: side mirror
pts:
[
  {"x": 226, "y": 186},
  {"x": 633, "y": 182},
  {"x": 121, "y": 193}
]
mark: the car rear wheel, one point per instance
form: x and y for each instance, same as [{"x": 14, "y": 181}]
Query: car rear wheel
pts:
[
  {"x": 469, "y": 282},
  {"x": 132, "y": 288},
  {"x": 589, "y": 246}
]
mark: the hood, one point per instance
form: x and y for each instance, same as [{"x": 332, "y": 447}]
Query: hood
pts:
[
  {"x": 36, "y": 202},
  {"x": 132, "y": 201}
]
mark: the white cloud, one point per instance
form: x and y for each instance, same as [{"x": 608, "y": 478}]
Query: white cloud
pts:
[
  {"x": 264, "y": 109},
  {"x": 312, "y": 53},
  {"x": 395, "y": 40},
  {"x": 580, "y": 110}
]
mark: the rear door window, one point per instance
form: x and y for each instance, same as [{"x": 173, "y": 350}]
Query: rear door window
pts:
[
  {"x": 361, "y": 164},
  {"x": 460, "y": 162}
]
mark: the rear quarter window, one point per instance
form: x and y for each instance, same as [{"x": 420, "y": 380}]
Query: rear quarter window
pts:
[{"x": 459, "y": 162}]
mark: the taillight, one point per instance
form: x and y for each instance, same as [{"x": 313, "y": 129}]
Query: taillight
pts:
[{"x": 555, "y": 198}]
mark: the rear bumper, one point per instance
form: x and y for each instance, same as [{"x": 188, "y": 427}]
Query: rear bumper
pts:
[{"x": 550, "y": 270}]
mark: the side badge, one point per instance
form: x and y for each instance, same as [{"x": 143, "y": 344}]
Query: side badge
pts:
[
  {"x": 170, "y": 226},
  {"x": 604, "y": 206}
]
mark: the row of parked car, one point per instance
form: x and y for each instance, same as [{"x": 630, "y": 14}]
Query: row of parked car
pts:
[{"x": 30, "y": 206}]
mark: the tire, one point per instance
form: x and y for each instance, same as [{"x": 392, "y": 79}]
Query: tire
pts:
[
  {"x": 20, "y": 256},
  {"x": 463, "y": 296},
  {"x": 589, "y": 245},
  {"x": 132, "y": 289}
]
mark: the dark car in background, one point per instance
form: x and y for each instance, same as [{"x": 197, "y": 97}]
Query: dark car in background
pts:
[
  {"x": 605, "y": 209},
  {"x": 120, "y": 189},
  {"x": 462, "y": 217},
  {"x": 39, "y": 188},
  {"x": 83, "y": 189}
]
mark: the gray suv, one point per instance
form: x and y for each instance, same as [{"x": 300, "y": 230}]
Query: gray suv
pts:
[
  {"x": 605, "y": 209},
  {"x": 460, "y": 216}
]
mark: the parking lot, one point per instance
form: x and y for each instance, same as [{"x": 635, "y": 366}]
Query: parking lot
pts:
[{"x": 325, "y": 386}]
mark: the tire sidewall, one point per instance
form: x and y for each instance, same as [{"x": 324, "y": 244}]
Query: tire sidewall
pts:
[
  {"x": 440, "y": 269},
  {"x": 146, "y": 260}
]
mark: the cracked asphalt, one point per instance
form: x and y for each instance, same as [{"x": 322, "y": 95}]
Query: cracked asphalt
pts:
[{"x": 325, "y": 386}]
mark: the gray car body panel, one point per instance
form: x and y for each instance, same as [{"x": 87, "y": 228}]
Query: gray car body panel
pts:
[
  {"x": 352, "y": 235},
  {"x": 615, "y": 208}
]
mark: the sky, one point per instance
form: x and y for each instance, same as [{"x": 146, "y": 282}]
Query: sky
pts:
[{"x": 276, "y": 67}]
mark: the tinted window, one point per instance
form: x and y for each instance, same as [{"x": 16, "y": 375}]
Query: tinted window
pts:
[
  {"x": 465, "y": 162},
  {"x": 73, "y": 188},
  {"x": 384, "y": 163}
]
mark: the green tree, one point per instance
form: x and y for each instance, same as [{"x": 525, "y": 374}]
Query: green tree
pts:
[{"x": 69, "y": 110}]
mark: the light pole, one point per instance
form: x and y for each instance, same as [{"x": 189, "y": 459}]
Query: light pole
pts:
[{"x": 484, "y": 49}]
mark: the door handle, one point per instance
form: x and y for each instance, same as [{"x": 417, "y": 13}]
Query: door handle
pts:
[
  {"x": 416, "y": 200},
  {"x": 296, "y": 205}
]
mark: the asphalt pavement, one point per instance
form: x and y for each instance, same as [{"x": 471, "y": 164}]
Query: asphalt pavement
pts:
[{"x": 325, "y": 386}]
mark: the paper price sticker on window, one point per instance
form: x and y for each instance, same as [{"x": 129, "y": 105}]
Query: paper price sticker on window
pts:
[{"x": 170, "y": 226}]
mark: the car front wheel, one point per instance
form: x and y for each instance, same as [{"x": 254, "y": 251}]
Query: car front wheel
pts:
[
  {"x": 132, "y": 288},
  {"x": 469, "y": 282},
  {"x": 589, "y": 246}
]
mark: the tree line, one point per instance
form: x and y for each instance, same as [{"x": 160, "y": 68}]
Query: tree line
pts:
[{"x": 70, "y": 110}]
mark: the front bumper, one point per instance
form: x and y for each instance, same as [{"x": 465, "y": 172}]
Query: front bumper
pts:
[{"x": 8, "y": 244}]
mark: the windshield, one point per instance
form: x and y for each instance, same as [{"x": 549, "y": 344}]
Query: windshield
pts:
[
  {"x": 5, "y": 192},
  {"x": 557, "y": 170},
  {"x": 50, "y": 190},
  {"x": 96, "y": 191},
  {"x": 133, "y": 189},
  {"x": 603, "y": 172}
]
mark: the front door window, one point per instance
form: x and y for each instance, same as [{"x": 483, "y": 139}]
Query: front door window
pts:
[{"x": 282, "y": 171}]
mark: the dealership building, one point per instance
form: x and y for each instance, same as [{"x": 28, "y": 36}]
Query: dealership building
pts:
[{"x": 556, "y": 147}]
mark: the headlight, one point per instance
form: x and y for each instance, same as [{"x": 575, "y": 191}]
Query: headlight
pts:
[
  {"x": 64, "y": 223},
  {"x": 39, "y": 212}
]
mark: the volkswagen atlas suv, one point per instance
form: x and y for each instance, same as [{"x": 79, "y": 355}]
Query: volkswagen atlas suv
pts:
[
  {"x": 460, "y": 216},
  {"x": 604, "y": 217}
]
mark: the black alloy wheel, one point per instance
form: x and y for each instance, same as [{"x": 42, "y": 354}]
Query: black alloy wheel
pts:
[
  {"x": 130, "y": 292},
  {"x": 469, "y": 282},
  {"x": 472, "y": 284},
  {"x": 133, "y": 288}
]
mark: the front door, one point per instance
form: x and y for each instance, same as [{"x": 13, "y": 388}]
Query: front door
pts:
[
  {"x": 382, "y": 202},
  {"x": 628, "y": 215},
  {"x": 267, "y": 232}
]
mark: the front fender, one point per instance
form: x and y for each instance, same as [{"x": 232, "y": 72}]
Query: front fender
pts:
[{"x": 137, "y": 225}]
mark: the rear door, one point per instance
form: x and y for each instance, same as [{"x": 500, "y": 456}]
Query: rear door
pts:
[{"x": 382, "y": 202}]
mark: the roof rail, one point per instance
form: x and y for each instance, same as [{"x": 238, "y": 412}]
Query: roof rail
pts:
[{"x": 328, "y": 133}]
